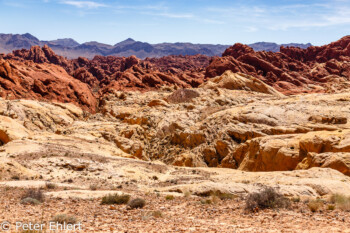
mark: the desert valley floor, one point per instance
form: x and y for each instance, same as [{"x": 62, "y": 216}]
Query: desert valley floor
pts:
[{"x": 191, "y": 136}]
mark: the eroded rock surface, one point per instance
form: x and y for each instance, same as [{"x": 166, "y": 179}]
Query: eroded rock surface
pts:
[{"x": 216, "y": 125}]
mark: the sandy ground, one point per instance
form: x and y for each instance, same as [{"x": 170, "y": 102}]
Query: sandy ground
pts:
[{"x": 182, "y": 214}]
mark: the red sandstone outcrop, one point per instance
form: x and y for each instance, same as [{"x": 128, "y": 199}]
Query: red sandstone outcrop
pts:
[
  {"x": 124, "y": 73},
  {"x": 291, "y": 71},
  {"x": 29, "y": 80}
]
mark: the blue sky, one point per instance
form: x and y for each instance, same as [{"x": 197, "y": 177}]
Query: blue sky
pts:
[{"x": 198, "y": 21}]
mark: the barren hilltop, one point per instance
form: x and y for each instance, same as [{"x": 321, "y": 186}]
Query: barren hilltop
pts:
[{"x": 250, "y": 141}]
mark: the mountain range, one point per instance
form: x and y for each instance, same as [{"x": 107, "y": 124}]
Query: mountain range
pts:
[{"x": 71, "y": 49}]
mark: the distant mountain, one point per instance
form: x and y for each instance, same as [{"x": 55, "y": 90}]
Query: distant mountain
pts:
[
  {"x": 273, "y": 47},
  {"x": 71, "y": 49}
]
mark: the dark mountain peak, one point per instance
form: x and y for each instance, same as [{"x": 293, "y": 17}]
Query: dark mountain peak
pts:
[
  {"x": 30, "y": 37},
  {"x": 125, "y": 42},
  {"x": 129, "y": 40}
]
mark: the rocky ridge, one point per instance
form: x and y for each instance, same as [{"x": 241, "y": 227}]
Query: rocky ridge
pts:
[
  {"x": 293, "y": 70},
  {"x": 71, "y": 49}
]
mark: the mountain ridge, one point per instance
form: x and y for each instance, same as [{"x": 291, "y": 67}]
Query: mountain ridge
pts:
[{"x": 71, "y": 49}]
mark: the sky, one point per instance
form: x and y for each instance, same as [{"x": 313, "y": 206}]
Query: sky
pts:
[{"x": 197, "y": 21}]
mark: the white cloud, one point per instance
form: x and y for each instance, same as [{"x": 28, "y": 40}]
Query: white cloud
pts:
[
  {"x": 175, "y": 15},
  {"x": 84, "y": 4}
]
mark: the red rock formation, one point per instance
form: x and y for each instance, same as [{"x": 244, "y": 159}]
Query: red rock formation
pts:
[
  {"x": 29, "y": 80},
  {"x": 291, "y": 71},
  {"x": 44, "y": 79}
]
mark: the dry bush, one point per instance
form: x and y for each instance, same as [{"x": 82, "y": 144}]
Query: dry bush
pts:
[
  {"x": 295, "y": 199},
  {"x": 268, "y": 198},
  {"x": 338, "y": 198},
  {"x": 152, "y": 214},
  {"x": 137, "y": 203},
  {"x": 315, "y": 205},
  {"x": 15, "y": 177},
  {"x": 157, "y": 214},
  {"x": 117, "y": 199},
  {"x": 93, "y": 187},
  {"x": 49, "y": 185},
  {"x": 331, "y": 207},
  {"x": 206, "y": 201},
  {"x": 187, "y": 193},
  {"x": 169, "y": 197},
  {"x": 30, "y": 201},
  {"x": 342, "y": 202},
  {"x": 34, "y": 194},
  {"x": 64, "y": 218},
  {"x": 223, "y": 196}
]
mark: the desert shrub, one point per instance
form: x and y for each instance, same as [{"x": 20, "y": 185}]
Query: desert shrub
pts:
[
  {"x": 344, "y": 206},
  {"x": 187, "y": 193},
  {"x": 224, "y": 196},
  {"x": 34, "y": 194},
  {"x": 169, "y": 197},
  {"x": 15, "y": 177},
  {"x": 315, "y": 205},
  {"x": 117, "y": 199},
  {"x": 206, "y": 201},
  {"x": 64, "y": 218},
  {"x": 267, "y": 198},
  {"x": 331, "y": 207},
  {"x": 137, "y": 203},
  {"x": 157, "y": 214},
  {"x": 50, "y": 185},
  {"x": 30, "y": 201},
  {"x": 342, "y": 202},
  {"x": 295, "y": 199},
  {"x": 152, "y": 214},
  {"x": 339, "y": 198},
  {"x": 93, "y": 187}
]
